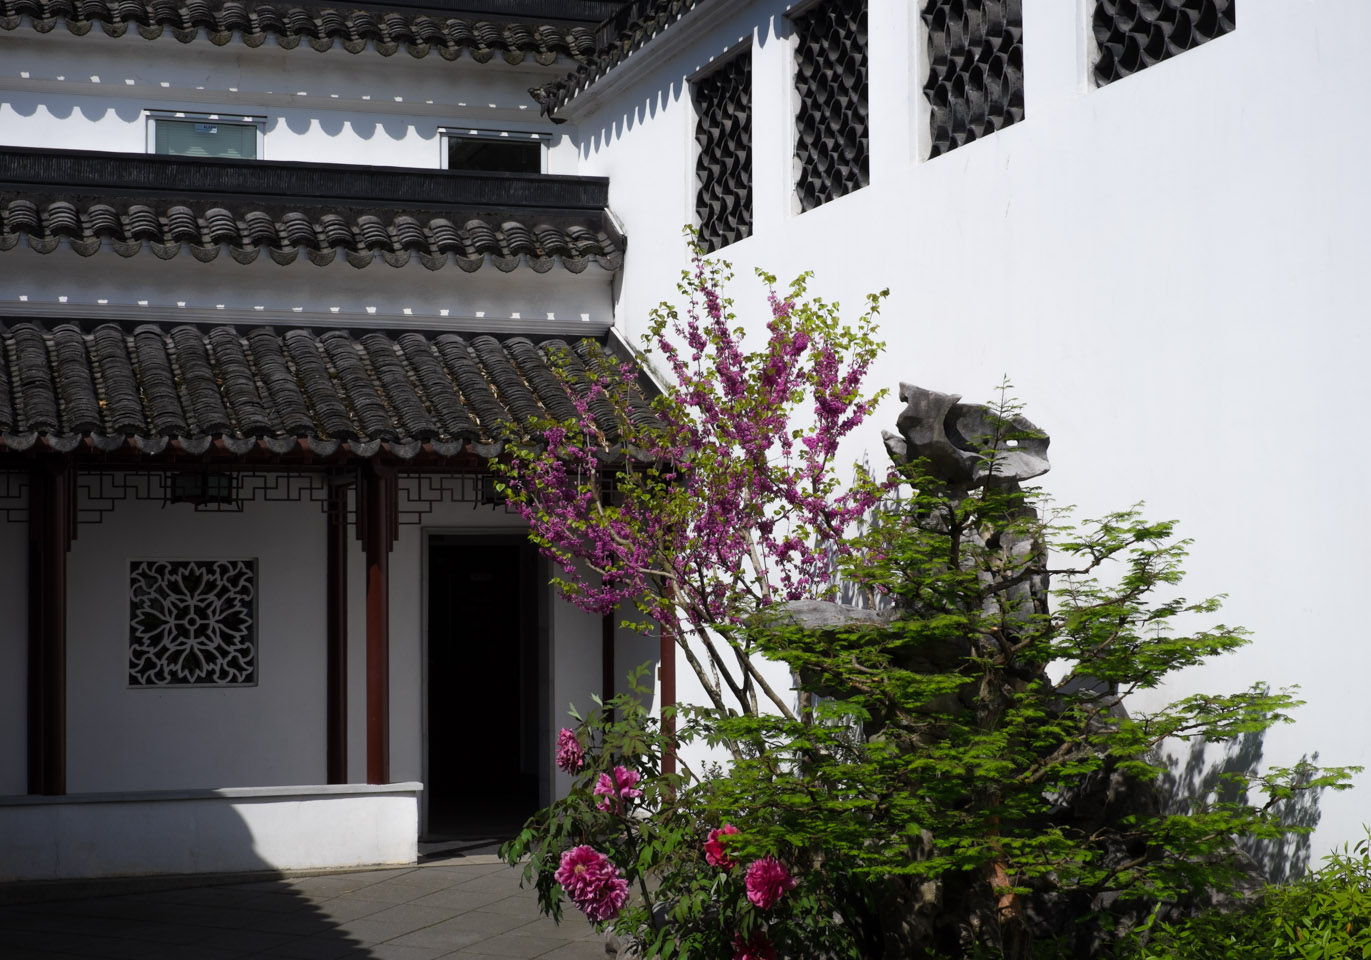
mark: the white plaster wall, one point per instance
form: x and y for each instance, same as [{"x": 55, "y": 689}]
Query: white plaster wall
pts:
[
  {"x": 65, "y": 285},
  {"x": 14, "y": 562},
  {"x": 121, "y": 738},
  {"x": 1168, "y": 269},
  {"x": 91, "y": 93},
  {"x": 296, "y": 828},
  {"x": 577, "y": 672}
]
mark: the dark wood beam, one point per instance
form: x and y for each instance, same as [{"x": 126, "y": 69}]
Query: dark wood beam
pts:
[
  {"x": 337, "y": 631},
  {"x": 52, "y": 527},
  {"x": 378, "y": 526}
]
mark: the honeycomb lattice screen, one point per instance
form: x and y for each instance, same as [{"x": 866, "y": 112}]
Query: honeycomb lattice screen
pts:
[
  {"x": 975, "y": 69},
  {"x": 831, "y": 126},
  {"x": 723, "y": 204},
  {"x": 1134, "y": 34}
]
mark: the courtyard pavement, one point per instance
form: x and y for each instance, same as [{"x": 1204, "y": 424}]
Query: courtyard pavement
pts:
[{"x": 468, "y": 907}]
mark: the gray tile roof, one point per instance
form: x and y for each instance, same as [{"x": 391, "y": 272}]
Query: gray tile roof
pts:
[
  {"x": 92, "y": 201},
  {"x": 320, "y": 25},
  {"x": 108, "y": 389},
  {"x": 284, "y": 232}
]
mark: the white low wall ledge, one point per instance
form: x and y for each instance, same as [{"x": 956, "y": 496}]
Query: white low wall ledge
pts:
[
  {"x": 216, "y": 831},
  {"x": 219, "y": 793}
]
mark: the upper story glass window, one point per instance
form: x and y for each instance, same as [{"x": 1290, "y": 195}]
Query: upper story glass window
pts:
[
  {"x": 495, "y": 151},
  {"x": 205, "y": 136}
]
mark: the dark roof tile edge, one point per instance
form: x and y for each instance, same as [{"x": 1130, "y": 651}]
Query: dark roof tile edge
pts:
[
  {"x": 363, "y": 236},
  {"x": 319, "y": 26},
  {"x": 35, "y": 419},
  {"x": 632, "y": 28}
]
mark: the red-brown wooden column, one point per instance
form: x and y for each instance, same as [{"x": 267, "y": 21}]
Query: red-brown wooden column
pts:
[
  {"x": 378, "y": 526},
  {"x": 666, "y": 671},
  {"x": 52, "y": 527},
  {"x": 337, "y": 631},
  {"x": 607, "y": 656}
]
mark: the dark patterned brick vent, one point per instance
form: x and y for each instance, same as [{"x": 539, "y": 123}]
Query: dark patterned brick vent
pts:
[
  {"x": 185, "y": 389},
  {"x": 1134, "y": 34},
  {"x": 192, "y": 623},
  {"x": 317, "y": 25},
  {"x": 723, "y": 203},
  {"x": 831, "y": 126},
  {"x": 975, "y": 69}
]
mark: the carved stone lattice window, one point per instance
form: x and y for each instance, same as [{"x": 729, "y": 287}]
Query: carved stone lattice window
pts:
[
  {"x": 723, "y": 203},
  {"x": 192, "y": 623},
  {"x": 975, "y": 69},
  {"x": 1134, "y": 34},
  {"x": 831, "y": 126}
]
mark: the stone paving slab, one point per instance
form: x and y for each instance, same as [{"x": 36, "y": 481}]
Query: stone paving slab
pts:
[{"x": 469, "y": 908}]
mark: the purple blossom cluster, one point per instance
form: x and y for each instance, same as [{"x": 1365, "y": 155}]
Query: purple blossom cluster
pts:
[
  {"x": 593, "y": 883},
  {"x": 728, "y": 500},
  {"x": 614, "y": 791},
  {"x": 570, "y": 755}
]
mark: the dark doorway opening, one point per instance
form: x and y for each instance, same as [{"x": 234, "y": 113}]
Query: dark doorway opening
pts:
[{"x": 485, "y": 679}]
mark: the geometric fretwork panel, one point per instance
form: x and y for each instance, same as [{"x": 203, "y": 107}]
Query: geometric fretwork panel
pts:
[
  {"x": 192, "y": 623},
  {"x": 723, "y": 202},
  {"x": 831, "y": 77},
  {"x": 975, "y": 69},
  {"x": 1134, "y": 34}
]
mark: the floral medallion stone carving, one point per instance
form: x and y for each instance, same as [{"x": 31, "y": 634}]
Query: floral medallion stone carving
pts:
[{"x": 192, "y": 623}]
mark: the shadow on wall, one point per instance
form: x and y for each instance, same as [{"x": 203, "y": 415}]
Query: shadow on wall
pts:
[
  {"x": 64, "y": 108},
  {"x": 1206, "y": 773}
]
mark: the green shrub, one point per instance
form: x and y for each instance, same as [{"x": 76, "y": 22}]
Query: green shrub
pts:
[{"x": 1324, "y": 916}]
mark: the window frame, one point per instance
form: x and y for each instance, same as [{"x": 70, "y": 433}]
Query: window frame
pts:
[
  {"x": 151, "y": 117},
  {"x": 449, "y": 132}
]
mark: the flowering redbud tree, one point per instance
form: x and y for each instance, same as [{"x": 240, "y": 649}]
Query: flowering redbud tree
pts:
[{"x": 722, "y": 497}]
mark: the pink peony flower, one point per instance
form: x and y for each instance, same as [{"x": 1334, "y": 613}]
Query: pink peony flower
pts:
[
  {"x": 612, "y": 793},
  {"x": 755, "y": 947},
  {"x": 593, "y": 883},
  {"x": 767, "y": 881},
  {"x": 570, "y": 756},
  {"x": 716, "y": 854}
]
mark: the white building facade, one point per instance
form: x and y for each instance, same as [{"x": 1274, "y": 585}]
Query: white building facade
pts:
[
  {"x": 1148, "y": 216},
  {"x": 264, "y": 608},
  {"x": 1154, "y": 233}
]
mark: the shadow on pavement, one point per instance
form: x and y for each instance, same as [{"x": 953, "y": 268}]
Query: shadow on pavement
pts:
[{"x": 449, "y": 908}]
